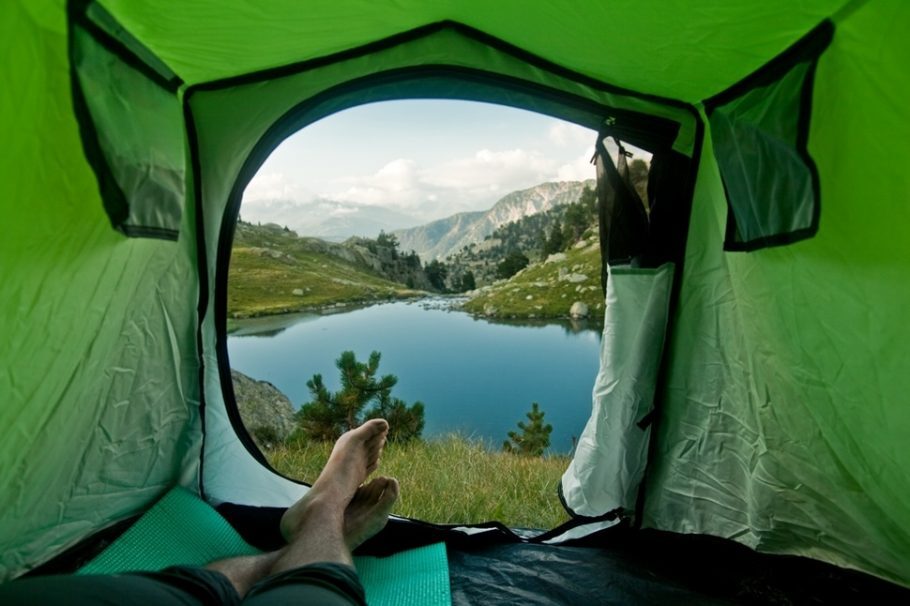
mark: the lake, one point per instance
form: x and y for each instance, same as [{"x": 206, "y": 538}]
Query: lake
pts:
[{"x": 474, "y": 376}]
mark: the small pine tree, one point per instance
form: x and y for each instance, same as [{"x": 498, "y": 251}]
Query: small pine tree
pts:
[
  {"x": 534, "y": 437},
  {"x": 328, "y": 415}
]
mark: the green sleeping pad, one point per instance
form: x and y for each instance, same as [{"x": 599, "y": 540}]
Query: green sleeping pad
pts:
[{"x": 181, "y": 528}]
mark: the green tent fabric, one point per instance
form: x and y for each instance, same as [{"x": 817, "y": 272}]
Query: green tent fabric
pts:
[
  {"x": 181, "y": 529},
  {"x": 781, "y": 408}
]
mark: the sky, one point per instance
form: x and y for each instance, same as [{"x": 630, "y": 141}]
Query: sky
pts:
[{"x": 420, "y": 159}]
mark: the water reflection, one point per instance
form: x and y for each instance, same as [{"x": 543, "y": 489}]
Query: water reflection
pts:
[
  {"x": 571, "y": 326},
  {"x": 269, "y": 326}
]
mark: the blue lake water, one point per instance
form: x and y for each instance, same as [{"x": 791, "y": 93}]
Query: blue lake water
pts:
[{"x": 473, "y": 376}]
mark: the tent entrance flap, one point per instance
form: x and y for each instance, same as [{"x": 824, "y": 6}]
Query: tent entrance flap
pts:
[{"x": 611, "y": 456}]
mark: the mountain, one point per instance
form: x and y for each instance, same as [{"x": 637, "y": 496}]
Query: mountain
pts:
[
  {"x": 443, "y": 237},
  {"x": 327, "y": 219}
]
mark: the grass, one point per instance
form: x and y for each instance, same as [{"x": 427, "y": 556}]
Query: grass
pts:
[
  {"x": 273, "y": 271},
  {"x": 260, "y": 284},
  {"x": 454, "y": 480},
  {"x": 538, "y": 292}
]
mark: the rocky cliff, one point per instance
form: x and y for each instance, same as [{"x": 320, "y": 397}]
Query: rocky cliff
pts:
[
  {"x": 441, "y": 238},
  {"x": 266, "y": 412}
]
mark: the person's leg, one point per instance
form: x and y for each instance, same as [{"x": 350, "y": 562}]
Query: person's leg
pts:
[
  {"x": 334, "y": 516},
  {"x": 178, "y": 586},
  {"x": 245, "y": 571},
  {"x": 365, "y": 516},
  {"x": 299, "y": 579}
]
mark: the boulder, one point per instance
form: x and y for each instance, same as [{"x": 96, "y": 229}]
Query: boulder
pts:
[
  {"x": 556, "y": 258},
  {"x": 297, "y": 292},
  {"x": 578, "y": 310},
  {"x": 267, "y": 413}
]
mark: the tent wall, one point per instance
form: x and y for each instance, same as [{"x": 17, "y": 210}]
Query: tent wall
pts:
[
  {"x": 786, "y": 411},
  {"x": 97, "y": 331}
]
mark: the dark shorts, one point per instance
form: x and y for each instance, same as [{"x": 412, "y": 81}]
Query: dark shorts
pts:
[{"x": 321, "y": 583}]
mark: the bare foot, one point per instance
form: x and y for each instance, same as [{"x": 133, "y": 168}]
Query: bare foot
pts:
[
  {"x": 369, "y": 510},
  {"x": 354, "y": 457}
]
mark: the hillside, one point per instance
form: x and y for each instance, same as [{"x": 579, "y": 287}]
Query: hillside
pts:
[
  {"x": 532, "y": 236},
  {"x": 274, "y": 271},
  {"x": 547, "y": 289},
  {"x": 440, "y": 239}
]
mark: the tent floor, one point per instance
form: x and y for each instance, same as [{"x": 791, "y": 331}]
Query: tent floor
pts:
[
  {"x": 616, "y": 566},
  {"x": 650, "y": 567}
]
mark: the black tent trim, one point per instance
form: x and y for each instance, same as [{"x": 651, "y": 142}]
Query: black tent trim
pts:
[
  {"x": 812, "y": 45},
  {"x": 202, "y": 264},
  {"x": 108, "y": 32}
]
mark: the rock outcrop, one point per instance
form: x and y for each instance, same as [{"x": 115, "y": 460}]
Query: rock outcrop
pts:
[{"x": 266, "y": 412}]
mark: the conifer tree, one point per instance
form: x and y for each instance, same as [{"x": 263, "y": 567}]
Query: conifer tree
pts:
[
  {"x": 467, "y": 281},
  {"x": 328, "y": 415},
  {"x": 556, "y": 241},
  {"x": 534, "y": 437},
  {"x": 512, "y": 264}
]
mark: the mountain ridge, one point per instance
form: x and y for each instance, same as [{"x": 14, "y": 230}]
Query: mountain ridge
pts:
[
  {"x": 327, "y": 219},
  {"x": 441, "y": 238}
]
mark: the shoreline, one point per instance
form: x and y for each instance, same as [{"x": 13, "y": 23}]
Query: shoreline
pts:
[{"x": 450, "y": 302}]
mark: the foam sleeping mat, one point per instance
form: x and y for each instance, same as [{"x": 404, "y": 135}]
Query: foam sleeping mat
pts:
[{"x": 182, "y": 529}]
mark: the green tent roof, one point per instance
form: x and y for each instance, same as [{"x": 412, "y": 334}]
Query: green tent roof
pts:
[{"x": 681, "y": 49}]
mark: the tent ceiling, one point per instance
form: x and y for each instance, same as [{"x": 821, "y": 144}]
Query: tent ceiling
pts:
[{"x": 683, "y": 49}]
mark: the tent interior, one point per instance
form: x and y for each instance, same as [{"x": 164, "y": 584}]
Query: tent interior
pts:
[{"x": 746, "y": 442}]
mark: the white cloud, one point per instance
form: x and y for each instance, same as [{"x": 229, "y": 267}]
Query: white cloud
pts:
[
  {"x": 426, "y": 188},
  {"x": 566, "y": 134},
  {"x": 397, "y": 176},
  {"x": 274, "y": 186},
  {"x": 460, "y": 184},
  {"x": 456, "y": 185},
  {"x": 578, "y": 170},
  {"x": 507, "y": 169}
]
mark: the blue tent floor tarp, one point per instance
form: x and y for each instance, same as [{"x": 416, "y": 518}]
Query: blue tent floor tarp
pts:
[{"x": 651, "y": 567}]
